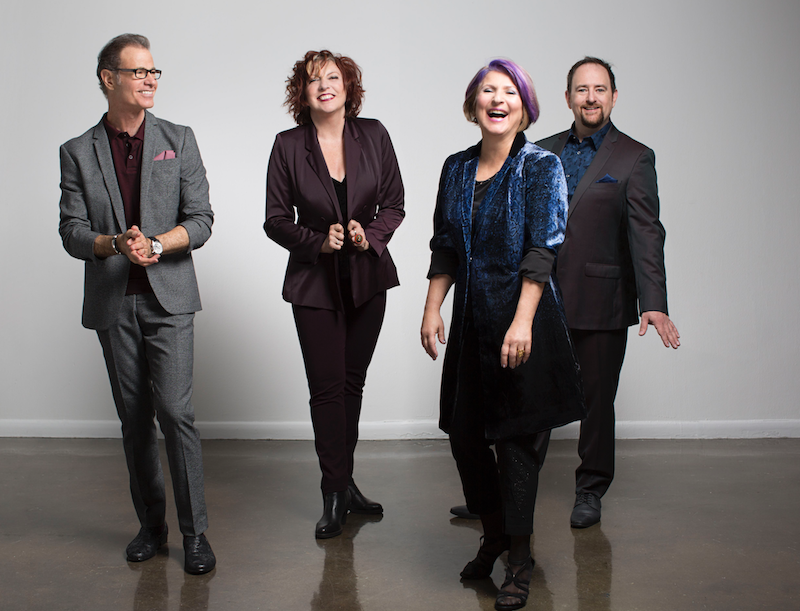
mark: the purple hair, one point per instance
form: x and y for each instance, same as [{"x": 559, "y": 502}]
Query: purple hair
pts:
[{"x": 521, "y": 79}]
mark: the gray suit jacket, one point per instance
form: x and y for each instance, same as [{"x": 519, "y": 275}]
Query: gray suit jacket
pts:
[{"x": 173, "y": 192}]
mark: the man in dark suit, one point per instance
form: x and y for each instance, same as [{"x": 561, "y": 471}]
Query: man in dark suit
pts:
[
  {"x": 129, "y": 177},
  {"x": 612, "y": 257}
]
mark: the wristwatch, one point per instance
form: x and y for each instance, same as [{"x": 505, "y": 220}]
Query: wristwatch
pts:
[
  {"x": 114, "y": 244},
  {"x": 156, "y": 246}
]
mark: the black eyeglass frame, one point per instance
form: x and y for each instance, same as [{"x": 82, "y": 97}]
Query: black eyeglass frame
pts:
[{"x": 156, "y": 73}]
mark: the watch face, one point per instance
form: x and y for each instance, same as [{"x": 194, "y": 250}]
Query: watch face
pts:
[{"x": 157, "y": 247}]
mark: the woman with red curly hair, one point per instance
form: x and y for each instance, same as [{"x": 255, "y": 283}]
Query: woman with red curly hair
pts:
[{"x": 334, "y": 199}]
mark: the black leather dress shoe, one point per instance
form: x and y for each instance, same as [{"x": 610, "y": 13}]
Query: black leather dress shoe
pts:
[
  {"x": 586, "y": 511},
  {"x": 361, "y": 504},
  {"x": 334, "y": 514},
  {"x": 461, "y": 511},
  {"x": 199, "y": 558},
  {"x": 145, "y": 545}
]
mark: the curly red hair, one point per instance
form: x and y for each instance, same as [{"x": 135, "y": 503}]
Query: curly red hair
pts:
[{"x": 308, "y": 67}]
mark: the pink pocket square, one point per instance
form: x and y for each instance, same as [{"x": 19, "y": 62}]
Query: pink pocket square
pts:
[{"x": 164, "y": 155}]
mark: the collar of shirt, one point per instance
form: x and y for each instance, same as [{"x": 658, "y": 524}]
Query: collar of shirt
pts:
[
  {"x": 113, "y": 132},
  {"x": 578, "y": 156},
  {"x": 596, "y": 138}
]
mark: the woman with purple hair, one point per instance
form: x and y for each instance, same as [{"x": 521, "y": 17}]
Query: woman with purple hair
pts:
[{"x": 509, "y": 369}]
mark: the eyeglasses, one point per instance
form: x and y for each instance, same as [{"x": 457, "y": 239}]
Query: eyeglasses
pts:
[{"x": 140, "y": 73}]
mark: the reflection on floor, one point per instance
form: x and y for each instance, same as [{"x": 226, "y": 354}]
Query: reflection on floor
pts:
[{"x": 686, "y": 525}]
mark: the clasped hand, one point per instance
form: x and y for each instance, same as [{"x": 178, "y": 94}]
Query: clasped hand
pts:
[
  {"x": 136, "y": 246},
  {"x": 335, "y": 238}
]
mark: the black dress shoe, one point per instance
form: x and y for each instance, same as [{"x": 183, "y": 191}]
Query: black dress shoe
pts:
[
  {"x": 461, "y": 511},
  {"x": 145, "y": 545},
  {"x": 334, "y": 514},
  {"x": 361, "y": 504},
  {"x": 586, "y": 511},
  {"x": 199, "y": 558}
]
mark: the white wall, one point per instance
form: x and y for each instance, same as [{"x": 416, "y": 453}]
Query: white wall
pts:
[{"x": 711, "y": 86}]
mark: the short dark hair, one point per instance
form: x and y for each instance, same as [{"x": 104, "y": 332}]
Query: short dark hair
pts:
[
  {"x": 591, "y": 60},
  {"x": 108, "y": 58},
  {"x": 306, "y": 68}
]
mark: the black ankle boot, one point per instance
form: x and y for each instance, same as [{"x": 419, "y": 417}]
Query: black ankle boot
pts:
[
  {"x": 361, "y": 504},
  {"x": 334, "y": 514}
]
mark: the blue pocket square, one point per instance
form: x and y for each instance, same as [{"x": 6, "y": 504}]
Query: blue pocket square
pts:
[{"x": 608, "y": 178}]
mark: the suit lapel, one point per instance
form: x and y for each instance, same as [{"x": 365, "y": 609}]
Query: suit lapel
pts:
[
  {"x": 560, "y": 143},
  {"x": 352, "y": 158},
  {"x": 318, "y": 165},
  {"x": 151, "y": 134},
  {"x": 594, "y": 169},
  {"x": 106, "y": 162}
]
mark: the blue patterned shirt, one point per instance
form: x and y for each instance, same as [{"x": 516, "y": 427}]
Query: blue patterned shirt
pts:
[{"x": 577, "y": 156}]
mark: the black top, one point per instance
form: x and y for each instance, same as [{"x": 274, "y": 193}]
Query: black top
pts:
[{"x": 341, "y": 195}]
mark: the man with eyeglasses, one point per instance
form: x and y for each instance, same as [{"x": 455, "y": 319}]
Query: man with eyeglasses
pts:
[{"x": 134, "y": 204}]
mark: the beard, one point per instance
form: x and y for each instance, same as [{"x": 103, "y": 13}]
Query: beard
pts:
[{"x": 597, "y": 121}]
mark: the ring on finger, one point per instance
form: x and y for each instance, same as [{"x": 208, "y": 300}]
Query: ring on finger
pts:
[{"x": 520, "y": 353}]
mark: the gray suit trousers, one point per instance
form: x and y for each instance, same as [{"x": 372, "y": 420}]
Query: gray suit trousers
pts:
[{"x": 149, "y": 356}]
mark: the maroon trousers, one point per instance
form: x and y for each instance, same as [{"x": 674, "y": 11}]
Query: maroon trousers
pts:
[{"x": 337, "y": 349}]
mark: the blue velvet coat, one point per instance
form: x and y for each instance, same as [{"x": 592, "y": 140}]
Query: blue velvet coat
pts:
[{"x": 525, "y": 206}]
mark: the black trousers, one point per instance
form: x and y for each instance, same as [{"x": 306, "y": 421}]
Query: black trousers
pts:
[
  {"x": 600, "y": 354},
  {"x": 508, "y": 482},
  {"x": 337, "y": 349}
]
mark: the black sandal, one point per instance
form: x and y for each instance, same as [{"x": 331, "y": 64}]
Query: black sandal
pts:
[
  {"x": 481, "y": 567},
  {"x": 521, "y": 579}
]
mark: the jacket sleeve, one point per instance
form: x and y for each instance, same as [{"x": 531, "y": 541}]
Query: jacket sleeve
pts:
[
  {"x": 75, "y": 228},
  {"x": 391, "y": 197},
  {"x": 303, "y": 243},
  {"x": 444, "y": 256},
  {"x": 646, "y": 235},
  {"x": 546, "y": 204},
  {"x": 195, "y": 213}
]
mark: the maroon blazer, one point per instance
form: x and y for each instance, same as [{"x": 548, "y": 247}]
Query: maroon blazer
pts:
[
  {"x": 613, "y": 250},
  {"x": 302, "y": 205}
]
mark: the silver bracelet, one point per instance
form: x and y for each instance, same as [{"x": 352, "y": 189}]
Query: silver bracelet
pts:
[{"x": 114, "y": 244}]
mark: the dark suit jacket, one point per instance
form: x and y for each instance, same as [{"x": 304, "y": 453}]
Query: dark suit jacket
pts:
[
  {"x": 613, "y": 251},
  {"x": 302, "y": 205},
  {"x": 173, "y": 192}
]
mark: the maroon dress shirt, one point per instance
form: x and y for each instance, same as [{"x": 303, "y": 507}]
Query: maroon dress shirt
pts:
[{"x": 126, "y": 150}]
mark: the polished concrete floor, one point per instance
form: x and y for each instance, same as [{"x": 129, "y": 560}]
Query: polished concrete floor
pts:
[{"x": 686, "y": 525}]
